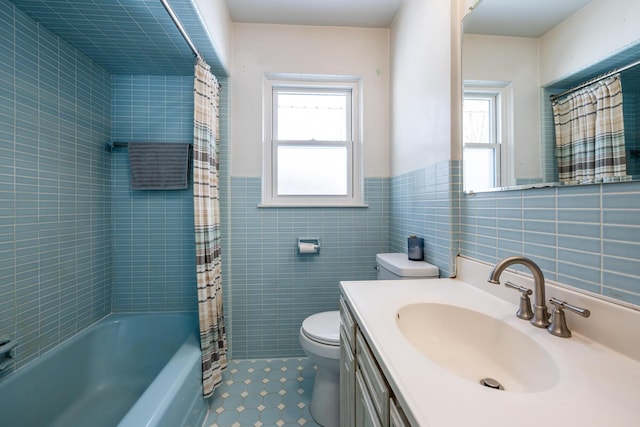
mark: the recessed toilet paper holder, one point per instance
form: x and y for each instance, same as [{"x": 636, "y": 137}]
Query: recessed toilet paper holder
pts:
[{"x": 309, "y": 245}]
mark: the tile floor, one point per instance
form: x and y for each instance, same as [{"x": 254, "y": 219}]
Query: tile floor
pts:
[{"x": 263, "y": 393}]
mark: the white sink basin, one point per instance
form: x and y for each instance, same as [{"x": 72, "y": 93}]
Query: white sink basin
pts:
[{"x": 474, "y": 346}]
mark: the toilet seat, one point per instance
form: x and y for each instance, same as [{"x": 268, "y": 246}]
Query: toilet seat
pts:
[{"x": 323, "y": 327}]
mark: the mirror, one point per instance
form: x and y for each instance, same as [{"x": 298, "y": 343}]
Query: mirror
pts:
[{"x": 514, "y": 56}]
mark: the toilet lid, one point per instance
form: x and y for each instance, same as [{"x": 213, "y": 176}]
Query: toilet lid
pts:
[{"x": 323, "y": 327}]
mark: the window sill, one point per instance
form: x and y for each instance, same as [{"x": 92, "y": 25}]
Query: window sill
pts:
[{"x": 313, "y": 205}]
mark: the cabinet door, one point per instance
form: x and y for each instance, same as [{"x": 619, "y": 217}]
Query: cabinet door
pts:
[
  {"x": 365, "y": 413},
  {"x": 347, "y": 382},
  {"x": 396, "y": 416},
  {"x": 373, "y": 379}
]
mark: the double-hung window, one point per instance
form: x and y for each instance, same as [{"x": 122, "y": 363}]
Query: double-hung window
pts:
[
  {"x": 486, "y": 120},
  {"x": 311, "y": 147}
]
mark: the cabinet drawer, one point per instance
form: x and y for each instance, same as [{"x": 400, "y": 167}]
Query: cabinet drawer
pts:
[
  {"x": 373, "y": 379},
  {"x": 347, "y": 322}
]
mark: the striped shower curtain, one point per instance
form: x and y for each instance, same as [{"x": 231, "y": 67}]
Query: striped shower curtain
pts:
[
  {"x": 213, "y": 340},
  {"x": 589, "y": 130}
]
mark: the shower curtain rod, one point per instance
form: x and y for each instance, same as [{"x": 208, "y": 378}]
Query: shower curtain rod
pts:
[
  {"x": 178, "y": 24},
  {"x": 596, "y": 79}
]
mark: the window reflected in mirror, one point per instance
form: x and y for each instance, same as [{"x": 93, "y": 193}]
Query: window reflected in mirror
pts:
[{"x": 485, "y": 136}]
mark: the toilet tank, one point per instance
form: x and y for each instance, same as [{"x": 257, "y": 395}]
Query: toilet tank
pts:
[{"x": 397, "y": 266}]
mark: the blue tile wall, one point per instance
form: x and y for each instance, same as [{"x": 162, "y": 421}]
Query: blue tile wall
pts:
[
  {"x": 55, "y": 213},
  {"x": 152, "y": 108},
  {"x": 585, "y": 236},
  {"x": 225, "y": 192},
  {"x": 153, "y": 240},
  {"x": 424, "y": 203},
  {"x": 273, "y": 288}
]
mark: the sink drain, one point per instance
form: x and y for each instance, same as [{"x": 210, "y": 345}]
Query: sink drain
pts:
[{"x": 491, "y": 383}]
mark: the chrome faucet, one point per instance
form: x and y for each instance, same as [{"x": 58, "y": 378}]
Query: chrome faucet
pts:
[{"x": 540, "y": 317}]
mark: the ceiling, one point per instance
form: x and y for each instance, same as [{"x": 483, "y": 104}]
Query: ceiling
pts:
[
  {"x": 519, "y": 18},
  {"x": 348, "y": 13},
  {"x": 139, "y": 37},
  {"x": 127, "y": 36}
]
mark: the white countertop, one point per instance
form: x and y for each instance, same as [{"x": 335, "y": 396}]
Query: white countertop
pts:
[{"x": 597, "y": 386}]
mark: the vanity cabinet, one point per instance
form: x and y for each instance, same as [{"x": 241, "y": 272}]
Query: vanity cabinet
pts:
[{"x": 366, "y": 399}]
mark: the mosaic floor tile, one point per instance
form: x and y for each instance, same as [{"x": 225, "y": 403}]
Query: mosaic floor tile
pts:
[{"x": 264, "y": 393}]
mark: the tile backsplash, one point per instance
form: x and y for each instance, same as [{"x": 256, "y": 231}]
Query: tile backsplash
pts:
[{"x": 585, "y": 236}]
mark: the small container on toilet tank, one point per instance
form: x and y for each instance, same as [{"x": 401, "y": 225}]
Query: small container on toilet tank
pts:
[{"x": 415, "y": 248}]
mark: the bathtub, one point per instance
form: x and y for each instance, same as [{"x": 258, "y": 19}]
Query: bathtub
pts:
[{"x": 128, "y": 370}]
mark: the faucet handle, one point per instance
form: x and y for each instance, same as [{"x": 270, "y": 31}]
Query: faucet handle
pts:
[
  {"x": 524, "y": 311},
  {"x": 558, "y": 326}
]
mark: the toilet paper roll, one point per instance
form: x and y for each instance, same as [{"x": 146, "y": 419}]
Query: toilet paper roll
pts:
[{"x": 306, "y": 248}]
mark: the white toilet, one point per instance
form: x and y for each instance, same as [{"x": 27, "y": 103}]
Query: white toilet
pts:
[{"x": 320, "y": 338}]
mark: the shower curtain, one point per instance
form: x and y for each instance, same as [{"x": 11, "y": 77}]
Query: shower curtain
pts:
[
  {"x": 213, "y": 340},
  {"x": 589, "y": 129}
]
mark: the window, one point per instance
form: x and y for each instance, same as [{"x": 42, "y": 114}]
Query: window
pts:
[
  {"x": 311, "y": 148},
  {"x": 485, "y": 150}
]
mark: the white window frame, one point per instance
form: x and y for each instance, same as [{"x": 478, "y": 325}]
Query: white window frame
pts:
[
  {"x": 349, "y": 84},
  {"x": 502, "y": 127}
]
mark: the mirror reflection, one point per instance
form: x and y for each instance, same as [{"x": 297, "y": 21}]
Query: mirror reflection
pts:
[{"x": 518, "y": 61}]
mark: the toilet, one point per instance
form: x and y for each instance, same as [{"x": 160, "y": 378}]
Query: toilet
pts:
[{"x": 320, "y": 338}]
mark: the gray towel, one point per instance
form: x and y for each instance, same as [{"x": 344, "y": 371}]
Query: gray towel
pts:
[{"x": 159, "y": 166}]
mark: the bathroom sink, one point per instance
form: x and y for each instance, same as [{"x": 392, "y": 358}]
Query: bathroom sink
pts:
[{"x": 475, "y": 346}]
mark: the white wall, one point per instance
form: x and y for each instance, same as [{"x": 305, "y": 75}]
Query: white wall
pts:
[
  {"x": 421, "y": 107},
  {"x": 515, "y": 60},
  {"x": 215, "y": 15},
  {"x": 266, "y": 48},
  {"x": 593, "y": 33}
]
